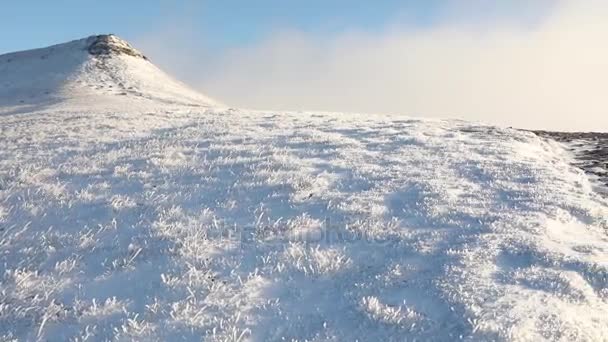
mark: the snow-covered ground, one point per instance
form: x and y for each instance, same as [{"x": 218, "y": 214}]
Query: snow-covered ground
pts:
[{"x": 150, "y": 218}]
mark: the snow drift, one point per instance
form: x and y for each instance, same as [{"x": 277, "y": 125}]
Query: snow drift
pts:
[{"x": 166, "y": 221}]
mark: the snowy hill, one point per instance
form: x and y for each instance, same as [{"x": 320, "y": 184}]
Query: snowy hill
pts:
[
  {"x": 97, "y": 71},
  {"x": 147, "y": 217}
]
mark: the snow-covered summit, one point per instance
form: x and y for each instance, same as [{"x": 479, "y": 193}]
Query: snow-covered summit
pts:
[{"x": 101, "y": 70}]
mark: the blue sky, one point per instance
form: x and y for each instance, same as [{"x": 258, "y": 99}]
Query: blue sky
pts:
[
  {"x": 27, "y": 23},
  {"x": 34, "y": 23},
  {"x": 523, "y": 63}
]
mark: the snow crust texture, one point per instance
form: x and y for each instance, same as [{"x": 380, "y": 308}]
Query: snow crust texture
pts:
[{"x": 133, "y": 208}]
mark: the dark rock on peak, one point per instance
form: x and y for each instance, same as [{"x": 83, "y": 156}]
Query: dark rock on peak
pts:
[{"x": 109, "y": 44}]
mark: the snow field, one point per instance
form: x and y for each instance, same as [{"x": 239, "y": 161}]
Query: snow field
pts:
[{"x": 181, "y": 223}]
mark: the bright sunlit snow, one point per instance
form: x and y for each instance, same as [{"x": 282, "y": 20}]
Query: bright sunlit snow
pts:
[{"x": 133, "y": 208}]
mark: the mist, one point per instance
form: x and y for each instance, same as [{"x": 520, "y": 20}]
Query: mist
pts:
[{"x": 551, "y": 74}]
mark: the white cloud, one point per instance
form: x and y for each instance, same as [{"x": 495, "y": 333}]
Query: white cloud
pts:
[{"x": 552, "y": 75}]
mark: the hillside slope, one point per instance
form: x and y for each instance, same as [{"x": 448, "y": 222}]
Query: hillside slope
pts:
[
  {"x": 97, "y": 71},
  {"x": 177, "y": 222}
]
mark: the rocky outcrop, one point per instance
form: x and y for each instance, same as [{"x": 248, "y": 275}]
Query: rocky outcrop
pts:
[
  {"x": 589, "y": 148},
  {"x": 109, "y": 44}
]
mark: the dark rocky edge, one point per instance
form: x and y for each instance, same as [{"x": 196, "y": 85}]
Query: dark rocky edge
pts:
[
  {"x": 108, "y": 44},
  {"x": 589, "y": 148}
]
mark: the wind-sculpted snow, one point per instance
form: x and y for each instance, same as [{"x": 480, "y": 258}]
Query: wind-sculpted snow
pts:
[{"x": 185, "y": 224}]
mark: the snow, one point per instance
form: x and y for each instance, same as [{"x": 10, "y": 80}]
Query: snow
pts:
[{"x": 164, "y": 217}]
